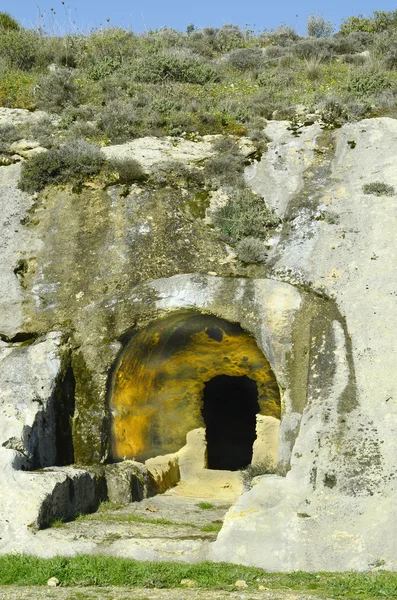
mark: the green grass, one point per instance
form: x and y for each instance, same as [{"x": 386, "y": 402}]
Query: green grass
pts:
[
  {"x": 109, "y": 571},
  {"x": 205, "y": 505},
  {"x": 105, "y": 516}
]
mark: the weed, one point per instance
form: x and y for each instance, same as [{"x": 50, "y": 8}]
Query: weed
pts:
[
  {"x": 57, "y": 523},
  {"x": 265, "y": 467},
  {"x": 246, "y": 215},
  {"x": 251, "y": 250},
  {"x": 205, "y": 505},
  {"x": 378, "y": 188}
]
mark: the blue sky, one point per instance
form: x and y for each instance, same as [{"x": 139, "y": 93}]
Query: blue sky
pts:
[{"x": 152, "y": 14}]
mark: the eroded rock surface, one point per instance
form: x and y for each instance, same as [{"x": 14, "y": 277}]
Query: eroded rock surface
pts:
[{"x": 100, "y": 264}]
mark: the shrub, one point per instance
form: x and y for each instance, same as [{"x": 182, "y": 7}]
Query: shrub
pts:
[
  {"x": 73, "y": 162},
  {"x": 43, "y": 131},
  {"x": 103, "y": 68},
  {"x": 332, "y": 113},
  {"x": 378, "y": 188},
  {"x": 119, "y": 120},
  {"x": 57, "y": 90},
  {"x": 381, "y": 21},
  {"x": 128, "y": 171},
  {"x": 159, "y": 68},
  {"x": 7, "y": 22},
  {"x": 251, "y": 250},
  {"x": 282, "y": 36},
  {"x": 245, "y": 58},
  {"x": 265, "y": 467},
  {"x": 318, "y": 27},
  {"x": 20, "y": 48},
  {"x": 16, "y": 89},
  {"x": 368, "y": 82},
  {"x": 225, "y": 169},
  {"x": 245, "y": 215}
]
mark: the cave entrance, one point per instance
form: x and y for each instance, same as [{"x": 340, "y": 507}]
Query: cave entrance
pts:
[{"x": 230, "y": 406}]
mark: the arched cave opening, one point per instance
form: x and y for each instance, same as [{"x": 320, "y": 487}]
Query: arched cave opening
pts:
[
  {"x": 176, "y": 371},
  {"x": 230, "y": 406}
]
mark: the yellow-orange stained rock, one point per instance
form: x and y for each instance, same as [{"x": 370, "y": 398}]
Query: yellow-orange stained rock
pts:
[{"x": 157, "y": 387}]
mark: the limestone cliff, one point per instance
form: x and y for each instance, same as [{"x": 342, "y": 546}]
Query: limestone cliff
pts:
[{"x": 100, "y": 264}]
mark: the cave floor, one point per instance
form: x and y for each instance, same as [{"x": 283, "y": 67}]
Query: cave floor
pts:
[{"x": 168, "y": 526}]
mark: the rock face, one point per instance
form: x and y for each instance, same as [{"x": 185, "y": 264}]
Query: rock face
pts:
[
  {"x": 100, "y": 265},
  {"x": 31, "y": 403}
]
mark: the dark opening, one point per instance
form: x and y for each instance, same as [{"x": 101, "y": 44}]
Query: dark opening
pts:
[
  {"x": 230, "y": 406},
  {"x": 65, "y": 404}
]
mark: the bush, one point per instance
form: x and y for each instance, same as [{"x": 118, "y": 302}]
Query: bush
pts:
[
  {"x": 160, "y": 68},
  {"x": 107, "y": 66},
  {"x": 128, "y": 171},
  {"x": 246, "y": 215},
  {"x": 245, "y": 58},
  {"x": 8, "y": 23},
  {"x": 282, "y": 36},
  {"x": 318, "y": 27},
  {"x": 119, "y": 121},
  {"x": 368, "y": 82},
  {"x": 20, "y": 49},
  {"x": 73, "y": 162},
  {"x": 381, "y": 21},
  {"x": 332, "y": 113},
  {"x": 251, "y": 250},
  {"x": 57, "y": 90},
  {"x": 378, "y": 188},
  {"x": 16, "y": 89}
]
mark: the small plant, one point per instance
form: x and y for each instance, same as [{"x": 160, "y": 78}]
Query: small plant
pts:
[
  {"x": 313, "y": 68},
  {"x": 205, "y": 505},
  {"x": 246, "y": 215},
  {"x": 265, "y": 467},
  {"x": 128, "y": 171},
  {"x": 73, "y": 162},
  {"x": 378, "y": 188},
  {"x": 57, "y": 523},
  {"x": 332, "y": 113},
  {"x": 251, "y": 250}
]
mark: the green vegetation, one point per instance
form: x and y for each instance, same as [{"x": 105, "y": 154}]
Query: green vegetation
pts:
[
  {"x": 212, "y": 80},
  {"x": 378, "y": 188},
  {"x": 104, "y": 515},
  {"x": 205, "y": 505},
  {"x": 265, "y": 467},
  {"x": 251, "y": 250},
  {"x": 246, "y": 215},
  {"x": 72, "y": 162},
  {"x": 8, "y": 23},
  {"x": 108, "y": 571}
]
